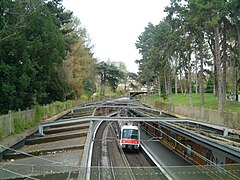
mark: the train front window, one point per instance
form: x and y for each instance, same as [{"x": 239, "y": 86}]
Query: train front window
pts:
[{"x": 130, "y": 134}]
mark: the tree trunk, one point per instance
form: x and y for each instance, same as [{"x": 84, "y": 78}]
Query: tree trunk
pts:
[
  {"x": 215, "y": 85},
  {"x": 103, "y": 81},
  {"x": 180, "y": 82},
  {"x": 148, "y": 88},
  {"x": 190, "y": 87},
  {"x": 101, "y": 85},
  {"x": 186, "y": 82},
  {"x": 159, "y": 85},
  {"x": 201, "y": 70},
  {"x": 176, "y": 78},
  {"x": 224, "y": 61},
  {"x": 233, "y": 76},
  {"x": 165, "y": 80},
  {"x": 237, "y": 60},
  {"x": 196, "y": 73},
  {"x": 190, "y": 77},
  {"x": 169, "y": 87},
  {"x": 215, "y": 91},
  {"x": 219, "y": 74},
  {"x": 176, "y": 84}
]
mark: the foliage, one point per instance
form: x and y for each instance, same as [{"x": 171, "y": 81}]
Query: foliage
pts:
[
  {"x": 21, "y": 124},
  {"x": 78, "y": 67},
  {"x": 89, "y": 87},
  {"x": 179, "y": 48},
  {"x": 35, "y": 40},
  {"x": 109, "y": 74},
  {"x": 39, "y": 113},
  {"x": 210, "y": 84}
]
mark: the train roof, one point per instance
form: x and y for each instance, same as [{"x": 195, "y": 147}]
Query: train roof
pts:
[{"x": 130, "y": 127}]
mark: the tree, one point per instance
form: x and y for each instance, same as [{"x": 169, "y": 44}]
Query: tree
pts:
[
  {"x": 234, "y": 13},
  {"x": 152, "y": 44},
  {"x": 32, "y": 54},
  {"x": 189, "y": 14},
  {"x": 34, "y": 42},
  {"x": 79, "y": 70},
  {"x": 109, "y": 74},
  {"x": 184, "y": 31}
]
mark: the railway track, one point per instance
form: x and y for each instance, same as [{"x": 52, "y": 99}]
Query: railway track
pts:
[
  {"x": 109, "y": 161},
  {"x": 107, "y": 157}
]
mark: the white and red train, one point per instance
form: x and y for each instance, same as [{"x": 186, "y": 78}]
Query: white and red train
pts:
[{"x": 129, "y": 136}]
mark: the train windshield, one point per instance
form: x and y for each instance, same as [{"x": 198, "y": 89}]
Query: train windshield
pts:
[{"x": 130, "y": 134}]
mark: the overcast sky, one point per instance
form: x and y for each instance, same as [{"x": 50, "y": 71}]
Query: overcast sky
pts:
[{"x": 114, "y": 25}]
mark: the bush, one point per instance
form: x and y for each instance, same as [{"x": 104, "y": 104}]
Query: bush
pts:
[
  {"x": 21, "y": 124},
  {"x": 69, "y": 104},
  {"x": 39, "y": 114},
  {"x": 84, "y": 97},
  {"x": 49, "y": 110},
  {"x": 164, "y": 96},
  {"x": 58, "y": 107}
]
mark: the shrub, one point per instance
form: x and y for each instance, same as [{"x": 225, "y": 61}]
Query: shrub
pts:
[
  {"x": 164, "y": 96},
  {"x": 58, "y": 106},
  {"x": 39, "y": 114},
  {"x": 21, "y": 124},
  {"x": 69, "y": 104}
]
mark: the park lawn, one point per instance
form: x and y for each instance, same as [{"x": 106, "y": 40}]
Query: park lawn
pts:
[{"x": 211, "y": 102}]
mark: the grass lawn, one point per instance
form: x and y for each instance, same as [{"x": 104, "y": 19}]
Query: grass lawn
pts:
[{"x": 211, "y": 102}]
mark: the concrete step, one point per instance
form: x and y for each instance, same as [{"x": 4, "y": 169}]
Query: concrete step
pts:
[
  {"x": 18, "y": 155},
  {"x": 52, "y": 138},
  {"x": 65, "y": 129}
]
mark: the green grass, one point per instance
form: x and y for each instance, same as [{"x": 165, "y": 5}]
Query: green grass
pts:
[
  {"x": 110, "y": 94},
  {"x": 211, "y": 102}
]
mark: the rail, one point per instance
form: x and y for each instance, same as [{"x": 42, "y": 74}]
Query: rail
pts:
[{"x": 128, "y": 168}]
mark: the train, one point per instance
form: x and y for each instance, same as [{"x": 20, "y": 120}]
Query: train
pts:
[
  {"x": 128, "y": 132},
  {"x": 129, "y": 136}
]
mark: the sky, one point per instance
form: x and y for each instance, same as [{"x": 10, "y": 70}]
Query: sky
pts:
[{"x": 114, "y": 25}]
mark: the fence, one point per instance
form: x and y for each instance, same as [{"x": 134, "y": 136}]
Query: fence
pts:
[
  {"x": 16, "y": 121},
  {"x": 228, "y": 119}
]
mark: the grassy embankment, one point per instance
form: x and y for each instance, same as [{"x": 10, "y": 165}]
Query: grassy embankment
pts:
[{"x": 211, "y": 102}]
